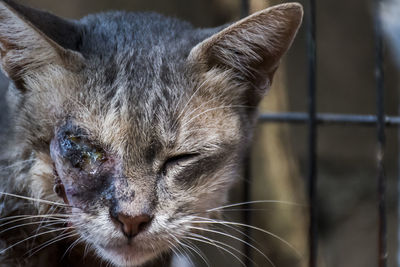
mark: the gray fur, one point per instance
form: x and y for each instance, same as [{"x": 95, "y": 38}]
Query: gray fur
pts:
[{"x": 169, "y": 107}]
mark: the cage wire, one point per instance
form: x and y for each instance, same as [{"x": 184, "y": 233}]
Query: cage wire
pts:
[{"x": 313, "y": 120}]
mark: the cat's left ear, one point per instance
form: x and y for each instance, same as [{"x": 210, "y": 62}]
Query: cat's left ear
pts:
[
  {"x": 31, "y": 40},
  {"x": 248, "y": 52}
]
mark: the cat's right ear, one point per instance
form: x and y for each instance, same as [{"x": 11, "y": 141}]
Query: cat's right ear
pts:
[{"x": 31, "y": 39}]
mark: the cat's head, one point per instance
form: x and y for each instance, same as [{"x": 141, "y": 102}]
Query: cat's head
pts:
[{"x": 139, "y": 122}]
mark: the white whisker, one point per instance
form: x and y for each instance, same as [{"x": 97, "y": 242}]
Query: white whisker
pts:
[
  {"x": 190, "y": 99},
  {"x": 56, "y": 239},
  {"x": 28, "y": 218},
  {"x": 235, "y": 238},
  {"x": 31, "y": 237},
  {"x": 24, "y": 224},
  {"x": 256, "y": 202},
  {"x": 72, "y": 246},
  {"x": 252, "y": 227},
  {"x": 214, "y": 243},
  {"x": 238, "y": 231},
  {"x": 196, "y": 250},
  {"x": 224, "y": 244},
  {"x": 35, "y": 199}
]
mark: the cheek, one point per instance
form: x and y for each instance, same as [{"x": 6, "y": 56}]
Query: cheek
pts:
[
  {"x": 78, "y": 188},
  {"x": 95, "y": 226}
]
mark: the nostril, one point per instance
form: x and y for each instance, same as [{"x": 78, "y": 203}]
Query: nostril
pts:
[
  {"x": 132, "y": 225},
  {"x": 143, "y": 225}
]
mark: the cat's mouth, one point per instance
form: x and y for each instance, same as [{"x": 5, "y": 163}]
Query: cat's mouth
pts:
[
  {"x": 136, "y": 243},
  {"x": 129, "y": 254}
]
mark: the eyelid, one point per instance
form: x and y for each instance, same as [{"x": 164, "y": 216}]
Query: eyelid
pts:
[
  {"x": 183, "y": 156},
  {"x": 176, "y": 159}
]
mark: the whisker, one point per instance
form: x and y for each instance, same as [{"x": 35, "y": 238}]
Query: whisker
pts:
[
  {"x": 173, "y": 248},
  {"x": 31, "y": 237},
  {"x": 35, "y": 199},
  {"x": 183, "y": 251},
  {"x": 235, "y": 238},
  {"x": 24, "y": 224},
  {"x": 255, "y": 228},
  {"x": 76, "y": 242},
  {"x": 196, "y": 250},
  {"x": 255, "y": 210},
  {"x": 256, "y": 202},
  {"x": 51, "y": 211},
  {"x": 203, "y": 104},
  {"x": 29, "y": 216},
  {"x": 213, "y": 243},
  {"x": 50, "y": 242},
  {"x": 224, "y": 244},
  {"x": 19, "y": 218},
  {"x": 190, "y": 99},
  {"x": 191, "y": 248},
  {"x": 240, "y": 232},
  {"x": 177, "y": 241},
  {"x": 87, "y": 247},
  {"x": 48, "y": 225}
]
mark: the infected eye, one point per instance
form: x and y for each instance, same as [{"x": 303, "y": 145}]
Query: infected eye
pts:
[
  {"x": 80, "y": 152},
  {"x": 177, "y": 160}
]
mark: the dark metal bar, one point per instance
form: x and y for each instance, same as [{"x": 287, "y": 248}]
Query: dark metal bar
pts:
[
  {"x": 247, "y": 211},
  {"x": 245, "y": 10},
  {"x": 398, "y": 189},
  {"x": 380, "y": 113},
  {"x": 312, "y": 136},
  {"x": 328, "y": 118}
]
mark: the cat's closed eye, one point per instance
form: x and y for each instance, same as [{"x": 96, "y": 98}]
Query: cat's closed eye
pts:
[{"x": 177, "y": 161}]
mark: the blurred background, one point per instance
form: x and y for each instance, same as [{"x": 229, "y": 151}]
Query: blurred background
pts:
[{"x": 347, "y": 198}]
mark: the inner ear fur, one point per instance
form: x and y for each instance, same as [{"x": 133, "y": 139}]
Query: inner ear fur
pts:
[
  {"x": 25, "y": 48},
  {"x": 251, "y": 48}
]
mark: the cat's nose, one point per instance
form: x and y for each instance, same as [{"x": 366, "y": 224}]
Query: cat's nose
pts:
[{"x": 132, "y": 225}]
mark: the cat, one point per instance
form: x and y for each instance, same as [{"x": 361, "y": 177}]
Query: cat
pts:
[{"x": 128, "y": 129}]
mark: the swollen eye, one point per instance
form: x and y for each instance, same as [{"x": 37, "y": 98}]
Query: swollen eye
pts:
[{"x": 80, "y": 152}]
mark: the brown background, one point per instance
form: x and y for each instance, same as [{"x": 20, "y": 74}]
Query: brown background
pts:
[{"x": 346, "y": 154}]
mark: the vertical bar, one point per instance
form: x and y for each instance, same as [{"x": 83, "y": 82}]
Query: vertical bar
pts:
[
  {"x": 247, "y": 211},
  {"x": 398, "y": 189},
  {"x": 245, "y": 8},
  {"x": 382, "y": 233},
  {"x": 312, "y": 135}
]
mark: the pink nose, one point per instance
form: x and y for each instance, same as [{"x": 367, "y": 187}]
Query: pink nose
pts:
[{"x": 132, "y": 225}]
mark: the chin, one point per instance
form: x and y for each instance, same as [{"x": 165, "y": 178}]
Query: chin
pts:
[{"x": 129, "y": 255}]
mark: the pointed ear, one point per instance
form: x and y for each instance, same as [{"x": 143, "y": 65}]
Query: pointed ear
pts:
[
  {"x": 249, "y": 51},
  {"x": 31, "y": 39}
]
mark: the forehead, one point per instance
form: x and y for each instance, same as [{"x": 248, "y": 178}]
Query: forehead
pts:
[
  {"x": 146, "y": 117},
  {"x": 141, "y": 90},
  {"x": 142, "y": 51},
  {"x": 137, "y": 58},
  {"x": 136, "y": 80}
]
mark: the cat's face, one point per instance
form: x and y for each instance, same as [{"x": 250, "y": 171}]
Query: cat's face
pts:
[
  {"x": 140, "y": 135},
  {"x": 159, "y": 165}
]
